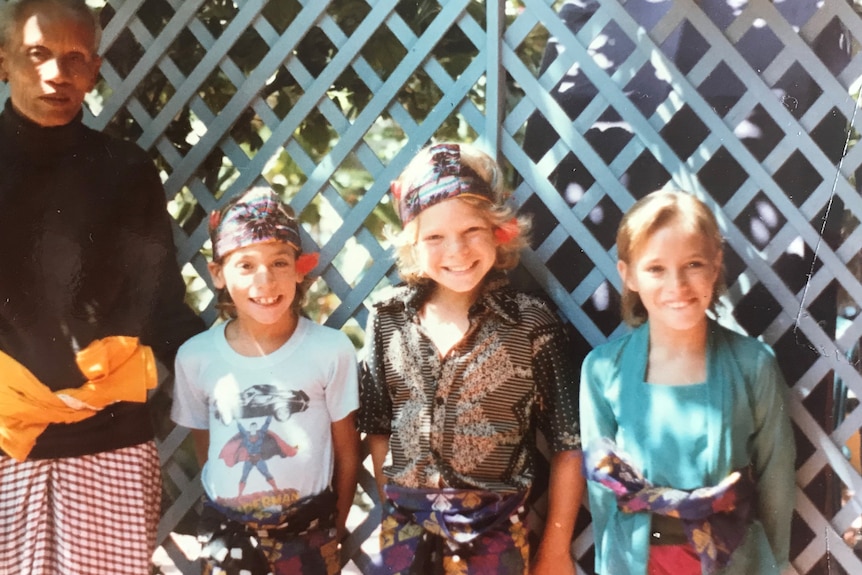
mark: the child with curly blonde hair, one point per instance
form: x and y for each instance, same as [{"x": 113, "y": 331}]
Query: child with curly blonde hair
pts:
[{"x": 459, "y": 370}]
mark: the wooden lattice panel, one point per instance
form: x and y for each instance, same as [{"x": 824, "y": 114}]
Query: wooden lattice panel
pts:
[
  {"x": 747, "y": 108},
  {"x": 746, "y": 105}
]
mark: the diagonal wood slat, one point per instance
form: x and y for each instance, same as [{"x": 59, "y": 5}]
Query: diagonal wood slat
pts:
[{"x": 578, "y": 111}]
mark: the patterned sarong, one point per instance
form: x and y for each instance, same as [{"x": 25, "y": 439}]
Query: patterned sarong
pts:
[
  {"x": 301, "y": 540},
  {"x": 714, "y": 518},
  {"x": 453, "y": 531}
]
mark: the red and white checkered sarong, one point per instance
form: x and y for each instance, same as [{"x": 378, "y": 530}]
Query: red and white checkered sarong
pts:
[{"x": 90, "y": 515}]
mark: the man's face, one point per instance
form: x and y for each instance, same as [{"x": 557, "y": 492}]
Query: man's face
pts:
[{"x": 50, "y": 65}]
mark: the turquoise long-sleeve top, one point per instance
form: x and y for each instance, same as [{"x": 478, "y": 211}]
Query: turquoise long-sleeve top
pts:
[{"x": 691, "y": 436}]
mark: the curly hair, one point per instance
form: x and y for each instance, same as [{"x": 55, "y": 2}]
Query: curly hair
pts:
[{"x": 499, "y": 215}]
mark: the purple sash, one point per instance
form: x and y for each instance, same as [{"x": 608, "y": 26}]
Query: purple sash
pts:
[
  {"x": 297, "y": 540},
  {"x": 424, "y": 530},
  {"x": 715, "y": 518},
  {"x": 456, "y": 515}
]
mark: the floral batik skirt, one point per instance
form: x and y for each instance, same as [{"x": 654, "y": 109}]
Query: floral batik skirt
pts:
[{"x": 453, "y": 532}]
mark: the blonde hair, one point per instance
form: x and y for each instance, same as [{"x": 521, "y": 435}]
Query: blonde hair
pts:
[
  {"x": 648, "y": 215},
  {"x": 498, "y": 214}
]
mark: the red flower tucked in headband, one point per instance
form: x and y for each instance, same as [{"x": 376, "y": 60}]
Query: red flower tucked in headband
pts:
[
  {"x": 215, "y": 218},
  {"x": 395, "y": 187},
  {"x": 307, "y": 262},
  {"x": 507, "y": 232}
]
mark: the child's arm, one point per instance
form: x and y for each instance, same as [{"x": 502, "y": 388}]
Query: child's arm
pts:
[
  {"x": 201, "y": 438},
  {"x": 345, "y": 445},
  {"x": 556, "y": 380},
  {"x": 378, "y": 446},
  {"x": 600, "y": 383},
  {"x": 375, "y": 404},
  {"x": 565, "y": 492}
]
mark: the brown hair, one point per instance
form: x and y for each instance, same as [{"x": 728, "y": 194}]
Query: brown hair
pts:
[
  {"x": 499, "y": 215},
  {"x": 650, "y": 214},
  {"x": 224, "y": 303}
]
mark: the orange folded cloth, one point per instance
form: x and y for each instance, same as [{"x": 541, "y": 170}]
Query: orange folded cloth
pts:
[{"x": 118, "y": 368}]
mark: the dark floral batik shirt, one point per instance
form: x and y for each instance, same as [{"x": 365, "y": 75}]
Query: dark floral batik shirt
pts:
[{"x": 467, "y": 419}]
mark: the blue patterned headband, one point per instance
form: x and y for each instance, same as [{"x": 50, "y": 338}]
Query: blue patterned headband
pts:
[
  {"x": 445, "y": 177},
  {"x": 257, "y": 216}
]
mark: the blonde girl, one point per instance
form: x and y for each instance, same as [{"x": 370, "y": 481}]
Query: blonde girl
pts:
[
  {"x": 689, "y": 450},
  {"x": 459, "y": 370}
]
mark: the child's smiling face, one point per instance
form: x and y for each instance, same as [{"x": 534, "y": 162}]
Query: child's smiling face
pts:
[
  {"x": 455, "y": 246},
  {"x": 674, "y": 273},
  {"x": 261, "y": 280}
]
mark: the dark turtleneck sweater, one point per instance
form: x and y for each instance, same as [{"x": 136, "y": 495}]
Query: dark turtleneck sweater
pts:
[{"x": 85, "y": 252}]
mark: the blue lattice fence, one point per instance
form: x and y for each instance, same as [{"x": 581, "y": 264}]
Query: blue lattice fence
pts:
[{"x": 589, "y": 105}]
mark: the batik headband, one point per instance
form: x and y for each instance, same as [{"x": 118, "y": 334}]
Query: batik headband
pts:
[
  {"x": 255, "y": 217},
  {"x": 445, "y": 176}
]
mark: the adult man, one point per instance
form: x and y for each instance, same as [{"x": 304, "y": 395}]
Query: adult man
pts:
[{"x": 86, "y": 254}]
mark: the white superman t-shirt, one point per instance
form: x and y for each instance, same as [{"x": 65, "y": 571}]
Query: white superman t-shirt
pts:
[{"x": 268, "y": 417}]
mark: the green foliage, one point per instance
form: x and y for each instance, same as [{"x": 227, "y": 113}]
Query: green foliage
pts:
[{"x": 383, "y": 52}]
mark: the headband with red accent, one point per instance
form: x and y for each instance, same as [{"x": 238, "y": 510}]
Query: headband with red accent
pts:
[
  {"x": 257, "y": 216},
  {"x": 445, "y": 177}
]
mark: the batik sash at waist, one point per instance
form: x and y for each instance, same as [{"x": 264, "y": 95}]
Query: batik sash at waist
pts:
[
  {"x": 715, "y": 518},
  {"x": 457, "y": 515},
  {"x": 252, "y": 542},
  {"x": 314, "y": 511},
  {"x": 117, "y": 368}
]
